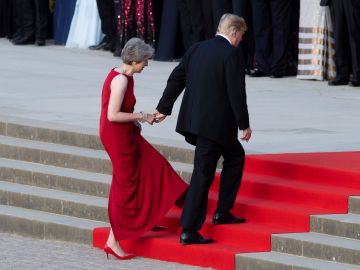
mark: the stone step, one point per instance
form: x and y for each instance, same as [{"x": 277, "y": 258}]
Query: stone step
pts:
[
  {"x": 281, "y": 261},
  {"x": 65, "y": 179},
  {"x": 66, "y": 156},
  {"x": 47, "y": 176},
  {"x": 318, "y": 246},
  {"x": 354, "y": 204},
  {"x": 86, "y": 138},
  {"x": 55, "y": 154},
  {"x": 44, "y": 225},
  {"x": 344, "y": 225},
  {"x": 54, "y": 201}
]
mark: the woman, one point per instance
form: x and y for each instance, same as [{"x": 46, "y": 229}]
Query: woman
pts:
[
  {"x": 63, "y": 14},
  {"x": 144, "y": 185},
  {"x": 85, "y": 28}
]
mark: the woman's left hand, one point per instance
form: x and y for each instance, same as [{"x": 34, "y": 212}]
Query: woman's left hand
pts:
[{"x": 150, "y": 118}]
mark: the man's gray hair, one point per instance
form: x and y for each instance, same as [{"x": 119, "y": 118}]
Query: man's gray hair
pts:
[
  {"x": 230, "y": 23},
  {"x": 136, "y": 50}
]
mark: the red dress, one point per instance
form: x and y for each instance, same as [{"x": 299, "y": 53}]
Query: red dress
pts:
[{"x": 144, "y": 185}]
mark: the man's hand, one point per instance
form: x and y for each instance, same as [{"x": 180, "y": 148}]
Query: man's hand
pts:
[
  {"x": 246, "y": 135},
  {"x": 159, "y": 117}
]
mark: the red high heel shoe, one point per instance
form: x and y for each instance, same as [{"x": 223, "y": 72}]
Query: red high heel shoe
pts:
[{"x": 108, "y": 250}]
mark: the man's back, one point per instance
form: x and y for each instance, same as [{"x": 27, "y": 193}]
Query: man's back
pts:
[{"x": 214, "y": 70}]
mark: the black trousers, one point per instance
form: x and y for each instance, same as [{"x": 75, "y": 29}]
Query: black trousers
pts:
[
  {"x": 271, "y": 22},
  {"x": 106, "y": 10},
  {"x": 32, "y": 17},
  {"x": 192, "y": 21},
  {"x": 6, "y": 18},
  {"x": 243, "y": 9},
  {"x": 207, "y": 154},
  {"x": 219, "y": 7},
  {"x": 346, "y": 22}
]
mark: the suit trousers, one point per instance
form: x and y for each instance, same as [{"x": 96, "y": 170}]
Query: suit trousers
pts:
[
  {"x": 192, "y": 21},
  {"x": 346, "y": 22},
  {"x": 207, "y": 154},
  {"x": 106, "y": 10},
  {"x": 35, "y": 15},
  {"x": 243, "y": 8},
  {"x": 18, "y": 18},
  {"x": 271, "y": 20},
  {"x": 220, "y": 7}
]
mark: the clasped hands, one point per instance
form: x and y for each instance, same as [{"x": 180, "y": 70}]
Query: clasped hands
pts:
[{"x": 155, "y": 117}]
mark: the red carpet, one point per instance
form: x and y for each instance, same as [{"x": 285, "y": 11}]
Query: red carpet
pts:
[{"x": 278, "y": 194}]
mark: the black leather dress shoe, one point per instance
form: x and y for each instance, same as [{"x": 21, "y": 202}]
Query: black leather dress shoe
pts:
[
  {"x": 258, "y": 73},
  {"x": 40, "y": 42},
  {"x": 110, "y": 46},
  {"x": 276, "y": 75},
  {"x": 24, "y": 40},
  {"x": 117, "y": 52},
  {"x": 16, "y": 36},
  {"x": 338, "y": 81},
  {"x": 354, "y": 83},
  {"x": 100, "y": 46},
  {"x": 227, "y": 218},
  {"x": 190, "y": 238}
]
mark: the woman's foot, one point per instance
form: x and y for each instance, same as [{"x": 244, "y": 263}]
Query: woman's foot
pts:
[
  {"x": 116, "y": 248},
  {"x": 118, "y": 252},
  {"x": 113, "y": 247}
]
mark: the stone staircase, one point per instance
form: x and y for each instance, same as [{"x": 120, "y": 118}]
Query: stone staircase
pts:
[
  {"x": 333, "y": 243},
  {"x": 54, "y": 183}
]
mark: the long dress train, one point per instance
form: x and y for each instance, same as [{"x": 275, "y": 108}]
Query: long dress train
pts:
[{"x": 85, "y": 28}]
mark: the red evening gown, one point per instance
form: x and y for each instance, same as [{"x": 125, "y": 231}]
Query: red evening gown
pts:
[{"x": 144, "y": 185}]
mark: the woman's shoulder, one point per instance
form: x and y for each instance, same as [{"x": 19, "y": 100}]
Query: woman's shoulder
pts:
[
  {"x": 119, "y": 79},
  {"x": 117, "y": 71}
]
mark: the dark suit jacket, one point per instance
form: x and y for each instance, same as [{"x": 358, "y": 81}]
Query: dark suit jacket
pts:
[{"x": 214, "y": 103}]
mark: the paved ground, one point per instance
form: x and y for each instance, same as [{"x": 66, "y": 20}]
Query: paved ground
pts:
[
  {"x": 63, "y": 86},
  {"x": 20, "y": 253}
]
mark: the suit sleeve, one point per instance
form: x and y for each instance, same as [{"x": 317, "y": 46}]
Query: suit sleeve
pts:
[
  {"x": 175, "y": 84},
  {"x": 236, "y": 89}
]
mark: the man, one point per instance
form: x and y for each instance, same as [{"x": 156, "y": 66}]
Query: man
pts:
[
  {"x": 32, "y": 22},
  {"x": 271, "y": 23},
  {"x": 345, "y": 16},
  {"x": 213, "y": 109},
  {"x": 108, "y": 25}
]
